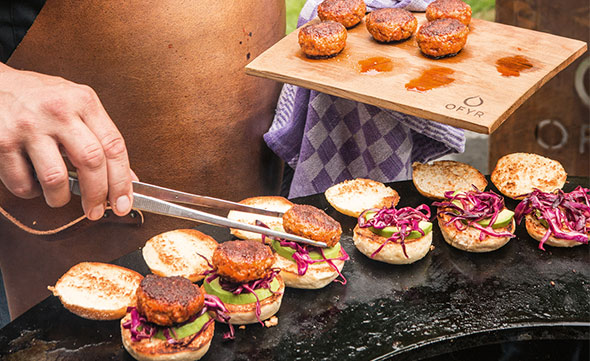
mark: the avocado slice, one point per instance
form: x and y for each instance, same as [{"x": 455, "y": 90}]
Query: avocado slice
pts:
[
  {"x": 387, "y": 232},
  {"x": 504, "y": 218},
  {"x": 214, "y": 288},
  {"x": 187, "y": 329},
  {"x": 287, "y": 252}
]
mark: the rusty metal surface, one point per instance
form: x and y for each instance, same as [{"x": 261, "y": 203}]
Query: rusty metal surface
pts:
[{"x": 449, "y": 301}]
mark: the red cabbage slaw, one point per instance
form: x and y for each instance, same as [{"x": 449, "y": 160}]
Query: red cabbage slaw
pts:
[
  {"x": 473, "y": 206},
  {"x": 566, "y": 214},
  {"x": 303, "y": 259},
  {"x": 141, "y": 329},
  {"x": 237, "y": 288},
  {"x": 406, "y": 219}
]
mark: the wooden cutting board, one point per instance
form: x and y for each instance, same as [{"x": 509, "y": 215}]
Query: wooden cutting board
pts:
[{"x": 479, "y": 98}]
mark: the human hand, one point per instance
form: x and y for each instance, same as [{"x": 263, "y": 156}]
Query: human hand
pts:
[{"x": 43, "y": 116}]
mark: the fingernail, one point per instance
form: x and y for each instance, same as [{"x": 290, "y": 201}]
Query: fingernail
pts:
[
  {"x": 96, "y": 212},
  {"x": 123, "y": 204}
]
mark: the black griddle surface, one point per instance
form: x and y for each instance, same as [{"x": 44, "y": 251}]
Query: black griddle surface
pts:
[{"x": 449, "y": 301}]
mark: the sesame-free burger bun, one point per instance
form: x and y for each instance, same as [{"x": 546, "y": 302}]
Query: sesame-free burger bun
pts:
[
  {"x": 273, "y": 203},
  {"x": 433, "y": 180},
  {"x": 97, "y": 291},
  {"x": 318, "y": 275},
  {"x": 178, "y": 253},
  {"x": 368, "y": 242},
  {"x": 468, "y": 239},
  {"x": 518, "y": 174},
  {"x": 537, "y": 231},
  {"x": 153, "y": 349},
  {"x": 246, "y": 313},
  {"x": 352, "y": 197}
]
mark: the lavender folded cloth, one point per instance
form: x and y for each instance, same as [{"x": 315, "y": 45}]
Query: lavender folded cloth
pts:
[{"x": 327, "y": 139}]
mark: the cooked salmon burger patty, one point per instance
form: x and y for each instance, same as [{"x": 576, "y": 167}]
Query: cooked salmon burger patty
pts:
[
  {"x": 313, "y": 223},
  {"x": 453, "y": 9},
  {"x": 443, "y": 37},
  {"x": 168, "y": 300},
  {"x": 243, "y": 261},
  {"x": 386, "y": 25},
  {"x": 347, "y": 12},
  {"x": 322, "y": 40}
]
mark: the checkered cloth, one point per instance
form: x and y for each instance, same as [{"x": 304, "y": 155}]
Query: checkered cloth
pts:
[{"x": 327, "y": 139}]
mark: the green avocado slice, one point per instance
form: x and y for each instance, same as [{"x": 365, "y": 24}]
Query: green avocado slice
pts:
[
  {"x": 387, "y": 232},
  {"x": 287, "y": 252},
  {"x": 214, "y": 288},
  {"x": 504, "y": 219},
  {"x": 187, "y": 329}
]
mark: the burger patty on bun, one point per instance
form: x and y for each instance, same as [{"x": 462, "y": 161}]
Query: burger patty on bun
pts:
[
  {"x": 313, "y": 223},
  {"x": 243, "y": 261},
  {"x": 168, "y": 300}
]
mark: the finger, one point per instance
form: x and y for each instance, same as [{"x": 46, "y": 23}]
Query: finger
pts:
[
  {"x": 17, "y": 175},
  {"x": 115, "y": 151},
  {"x": 134, "y": 176},
  {"x": 85, "y": 153},
  {"x": 50, "y": 169}
]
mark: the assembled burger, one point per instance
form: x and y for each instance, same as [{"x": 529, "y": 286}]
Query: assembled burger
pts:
[
  {"x": 243, "y": 277},
  {"x": 173, "y": 320},
  {"x": 307, "y": 266}
]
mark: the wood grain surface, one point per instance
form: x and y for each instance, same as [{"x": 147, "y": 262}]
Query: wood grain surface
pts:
[{"x": 480, "y": 98}]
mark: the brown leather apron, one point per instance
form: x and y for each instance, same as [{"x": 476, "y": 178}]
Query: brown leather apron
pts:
[{"x": 170, "y": 74}]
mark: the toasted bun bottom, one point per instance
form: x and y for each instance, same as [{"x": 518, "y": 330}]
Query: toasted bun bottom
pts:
[
  {"x": 245, "y": 314},
  {"x": 537, "y": 231},
  {"x": 368, "y": 242},
  {"x": 159, "y": 350},
  {"x": 318, "y": 275},
  {"x": 468, "y": 239}
]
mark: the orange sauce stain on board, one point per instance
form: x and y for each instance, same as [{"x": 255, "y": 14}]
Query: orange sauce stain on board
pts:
[
  {"x": 431, "y": 78},
  {"x": 513, "y": 65},
  {"x": 378, "y": 64}
]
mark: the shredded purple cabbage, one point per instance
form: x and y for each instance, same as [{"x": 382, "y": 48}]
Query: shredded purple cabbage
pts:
[
  {"x": 142, "y": 329},
  {"x": 237, "y": 288},
  {"x": 566, "y": 214},
  {"x": 407, "y": 219},
  {"x": 302, "y": 257},
  {"x": 474, "y": 206}
]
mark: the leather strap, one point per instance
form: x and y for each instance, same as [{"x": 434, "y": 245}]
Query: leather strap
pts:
[{"x": 136, "y": 214}]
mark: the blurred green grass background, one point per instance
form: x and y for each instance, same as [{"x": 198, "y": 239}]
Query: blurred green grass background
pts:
[{"x": 482, "y": 9}]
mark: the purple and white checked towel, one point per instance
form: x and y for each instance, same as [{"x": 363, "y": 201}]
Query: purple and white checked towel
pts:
[{"x": 327, "y": 139}]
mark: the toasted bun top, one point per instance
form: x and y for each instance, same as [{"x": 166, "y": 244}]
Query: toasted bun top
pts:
[
  {"x": 517, "y": 174},
  {"x": 352, "y": 197},
  {"x": 433, "y": 180},
  {"x": 274, "y": 203},
  {"x": 98, "y": 291},
  {"x": 178, "y": 253}
]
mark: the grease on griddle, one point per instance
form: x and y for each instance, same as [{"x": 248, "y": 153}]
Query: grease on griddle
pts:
[
  {"x": 513, "y": 65},
  {"x": 376, "y": 64},
  {"x": 431, "y": 78}
]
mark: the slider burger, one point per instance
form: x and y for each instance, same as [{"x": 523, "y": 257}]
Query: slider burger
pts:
[
  {"x": 557, "y": 219},
  {"x": 243, "y": 277},
  {"x": 397, "y": 236},
  {"x": 173, "y": 320},
  {"x": 307, "y": 266},
  {"x": 475, "y": 221}
]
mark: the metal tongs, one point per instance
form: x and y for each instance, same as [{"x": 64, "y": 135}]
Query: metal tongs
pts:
[{"x": 156, "y": 199}]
